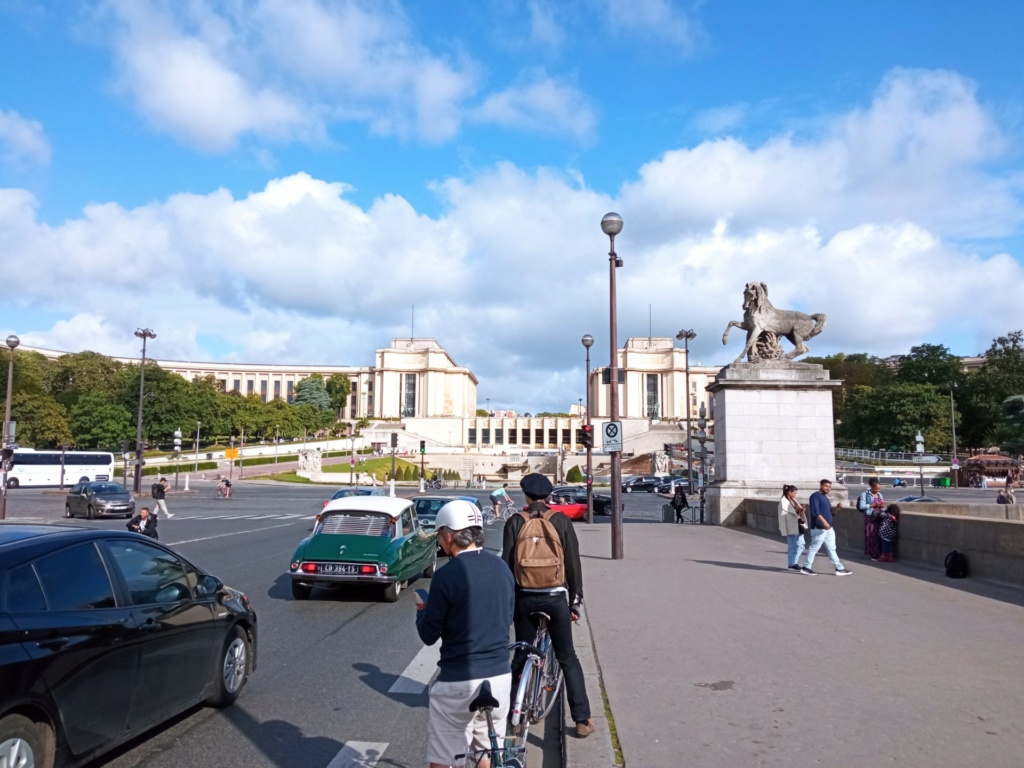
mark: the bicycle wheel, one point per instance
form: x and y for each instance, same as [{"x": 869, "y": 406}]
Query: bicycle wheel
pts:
[
  {"x": 522, "y": 705},
  {"x": 550, "y": 681},
  {"x": 487, "y": 514}
]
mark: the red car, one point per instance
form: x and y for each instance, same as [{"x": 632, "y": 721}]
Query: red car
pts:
[{"x": 572, "y": 511}]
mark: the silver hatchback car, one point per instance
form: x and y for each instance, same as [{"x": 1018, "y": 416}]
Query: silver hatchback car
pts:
[{"x": 99, "y": 499}]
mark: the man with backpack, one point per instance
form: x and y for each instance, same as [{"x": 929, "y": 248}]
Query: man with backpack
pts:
[
  {"x": 158, "y": 492},
  {"x": 540, "y": 547}
]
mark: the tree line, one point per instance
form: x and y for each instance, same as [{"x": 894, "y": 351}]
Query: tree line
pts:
[
  {"x": 90, "y": 401},
  {"x": 883, "y": 403}
]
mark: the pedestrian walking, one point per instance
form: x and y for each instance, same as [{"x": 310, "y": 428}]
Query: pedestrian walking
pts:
[
  {"x": 871, "y": 504},
  {"x": 541, "y": 550},
  {"x": 792, "y": 524},
  {"x": 888, "y": 520},
  {"x": 822, "y": 534},
  {"x": 679, "y": 502},
  {"x": 1002, "y": 498},
  {"x": 159, "y": 492},
  {"x": 144, "y": 523},
  {"x": 469, "y": 609}
]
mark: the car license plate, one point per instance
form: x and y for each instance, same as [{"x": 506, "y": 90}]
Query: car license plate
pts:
[{"x": 347, "y": 569}]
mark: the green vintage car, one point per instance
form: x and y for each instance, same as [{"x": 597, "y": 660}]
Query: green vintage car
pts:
[{"x": 373, "y": 540}]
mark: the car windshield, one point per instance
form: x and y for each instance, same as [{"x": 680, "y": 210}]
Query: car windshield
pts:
[
  {"x": 355, "y": 523},
  {"x": 427, "y": 509},
  {"x": 108, "y": 488},
  {"x": 344, "y": 493}
]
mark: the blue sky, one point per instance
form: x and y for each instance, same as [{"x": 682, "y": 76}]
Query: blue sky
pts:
[{"x": 281, "y": 180}]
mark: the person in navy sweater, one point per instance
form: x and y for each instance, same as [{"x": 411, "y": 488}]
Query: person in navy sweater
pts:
[
  {"x": 819, "y": 510},
  {"x": 470, "y": 609}
]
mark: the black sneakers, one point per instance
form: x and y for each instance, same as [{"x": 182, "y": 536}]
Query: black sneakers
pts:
[{"x": 807, "y": 572}]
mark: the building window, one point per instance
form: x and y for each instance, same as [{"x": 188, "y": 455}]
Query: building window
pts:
[
  {"x": 369, "y": 386},
  {"x": 512, "y": 435},
  {"x": 291, "y": 391},
  {"x": 552, "y": 438},
  {"x": 472, "y": 435},
  {"x": 486, "y": 435},
  {"x": 369, "y": 401},
  {"x": 409, "y": 399},
  {"x": 238, "y": 385},
  {"x": 652, "y": 396},
  {"x": 565, "y": 437},
  {"x": 538, "y": 437},
  {"x": 263, "y": 390},
  {"x": 277, "y": 390},
  {"x": 250, "y": 387},
  {"x": 499, "y": 437},
  {"x": 353, "y": 405}
]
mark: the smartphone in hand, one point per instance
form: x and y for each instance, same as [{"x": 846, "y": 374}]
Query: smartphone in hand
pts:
[{"x": 421, "y": 597}]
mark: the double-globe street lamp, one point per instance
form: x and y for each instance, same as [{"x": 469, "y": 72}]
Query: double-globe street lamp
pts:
[
  {"x": 142, "y": 333},
  {"x": 12, "y": 342},
  {"x": 611, "y": 225},
  {"x": 686, "y": 336},
  {"x": 588, "y": 342}
]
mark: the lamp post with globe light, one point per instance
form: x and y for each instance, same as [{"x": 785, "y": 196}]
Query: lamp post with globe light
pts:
[
  {"x": 611, "y": 225},
  {"x": 588, "y": 342},
  {"x": 12, "y": 342},
  {"x": 144, "y": 334},
  {"x": 686, "y": 336}
]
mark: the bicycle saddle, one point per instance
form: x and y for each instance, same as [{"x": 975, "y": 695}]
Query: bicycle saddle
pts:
[
  {"x": 484, "y": 699},
  {"x": 538, "y": 615}
]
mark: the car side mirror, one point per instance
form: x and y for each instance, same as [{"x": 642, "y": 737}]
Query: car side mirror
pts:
[
  {"x": 172, "y": 593},
  {"x": 210, "y": 585}
]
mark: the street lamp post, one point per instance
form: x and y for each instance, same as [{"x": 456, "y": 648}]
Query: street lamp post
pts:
[
  {"x": 588, "y": 342},
  {"x": 144, "y": 334},
  {"x": 919, "y": 450},
  {"x": 277, "y": 441},
  {"x": 12, "y": 342},
  {"x": 954, "y": 465},
  {"x": 611, "y": 225},
  {"x": 198, "y": 425},
  {"x": 685, "y": 336}
]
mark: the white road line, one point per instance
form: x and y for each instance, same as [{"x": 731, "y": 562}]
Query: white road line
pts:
[
  {"x": 264, "y": 517},
  {"x": 416, "y": 676},
  {"x": 222, "y": 535},
  {"x": 358, "y": 754}
]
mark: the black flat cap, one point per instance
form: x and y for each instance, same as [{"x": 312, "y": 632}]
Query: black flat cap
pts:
[{"x": 536, "y": 485}]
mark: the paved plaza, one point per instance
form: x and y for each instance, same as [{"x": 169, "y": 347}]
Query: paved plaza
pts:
[{"x": 713, "y": 654}]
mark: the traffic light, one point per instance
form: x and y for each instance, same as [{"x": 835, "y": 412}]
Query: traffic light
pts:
[
  {"x": 587, "y": 436},
  {"x": 394, "y": 439},
  {"x": 423, "y": 446},
  {"x": 126, "y": 446}
]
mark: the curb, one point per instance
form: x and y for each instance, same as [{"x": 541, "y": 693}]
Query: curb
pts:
[{"x": 596, "y": 751}]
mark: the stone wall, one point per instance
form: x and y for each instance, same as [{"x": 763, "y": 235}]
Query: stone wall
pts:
[{"x": 994, "y": 545}]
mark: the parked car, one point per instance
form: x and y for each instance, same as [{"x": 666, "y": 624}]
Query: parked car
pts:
[
  {"x": 577, "y": 494},
  {"x": 669, "y": 486},
  {"x": 641, "y": 483},
  {"x": 364, "y": 540},
  {"x": 920, "y": 499},
  {"x": 99, "y": 499},
  {"x": 107, "y": 634},
  {"x": 427, "y": 508},
  {"x": 352, "y": 490},
  {"x": 570, "y": 510}
]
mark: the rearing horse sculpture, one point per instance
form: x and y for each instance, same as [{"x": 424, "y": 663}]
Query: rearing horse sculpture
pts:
[{"x": 765, "y": 324}]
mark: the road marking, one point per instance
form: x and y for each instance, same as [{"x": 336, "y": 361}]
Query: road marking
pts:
[
  {"x": 359, "y": 754},
  {"x": 416, "y": 676},
  {"x": 222, "y": 535}
]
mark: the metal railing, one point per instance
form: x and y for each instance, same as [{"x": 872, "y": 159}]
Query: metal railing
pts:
[{"x": 888, "y": 457}]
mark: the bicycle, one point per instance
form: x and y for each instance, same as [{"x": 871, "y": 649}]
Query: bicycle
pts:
[
  {"x": 501, "y": 756},
  {"x": 435, "y": 484},
  {"x": 540, "y": 683},
  {"x": 224, "y": 493}
]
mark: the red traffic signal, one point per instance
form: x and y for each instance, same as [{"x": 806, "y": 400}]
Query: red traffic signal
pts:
[{"x": 587, "y": 436}]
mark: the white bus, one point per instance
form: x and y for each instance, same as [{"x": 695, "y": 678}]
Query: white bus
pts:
[{"x": 42, "y": 468}]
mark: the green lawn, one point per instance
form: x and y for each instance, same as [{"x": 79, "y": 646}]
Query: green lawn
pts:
[{"x": 369, "y": 465}]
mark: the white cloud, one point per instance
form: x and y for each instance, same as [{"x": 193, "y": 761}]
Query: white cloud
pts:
[
  {"x": 861, "y": 223},
  {"x": 22, "y": 140},
  {"x": 720, "y": 119},
  {"x": 541, "y": 104},
  {"x": 545, "y": 30},
  {"x": 657, "y": 20}
]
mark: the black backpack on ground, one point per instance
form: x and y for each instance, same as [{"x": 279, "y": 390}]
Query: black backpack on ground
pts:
[{"x": 956, "y": 565}]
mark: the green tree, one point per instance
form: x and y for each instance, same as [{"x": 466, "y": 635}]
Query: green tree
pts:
[
  {"x": 30, "y": 373},
  {"x": 930, "y": 364},
  {"x": 338, "y": 388},
  {"x": 858, "y": 369},
  {"x": 888, "y": 416},
  {"x": 482, "y": 412},
  {"x": 69, "y": 377},
  {"x": 574, "y": 475},
  {"x": 1013, "y": 424},
  {"x": 312, "y": 391},
  {"x": 97, "y": 421},
  {"x": 980, "y": 396},
  {"x": 42, "y": 421}
]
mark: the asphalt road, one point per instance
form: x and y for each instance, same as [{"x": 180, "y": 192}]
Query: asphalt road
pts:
[{"x": 327, "y": 691}]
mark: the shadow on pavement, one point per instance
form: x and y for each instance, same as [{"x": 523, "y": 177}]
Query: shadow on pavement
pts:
[
  {"x": 381, "y": 682},
  {"x": 282, "y": 742},
  {"x": 742, "y": 566}
]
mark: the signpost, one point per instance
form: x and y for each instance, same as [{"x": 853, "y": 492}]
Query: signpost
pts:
[{"x": 612, "y": 436}]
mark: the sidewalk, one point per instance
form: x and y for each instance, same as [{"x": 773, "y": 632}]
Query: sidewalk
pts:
[{"x": 713, "y": 654}]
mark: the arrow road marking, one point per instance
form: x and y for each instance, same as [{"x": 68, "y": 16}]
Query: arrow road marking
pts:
[
  {"x": 417, "y": 675},
  {"x": 359, "y": 754}
]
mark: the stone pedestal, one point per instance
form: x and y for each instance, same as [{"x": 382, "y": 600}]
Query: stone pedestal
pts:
[{"x": 773, "y": 426}]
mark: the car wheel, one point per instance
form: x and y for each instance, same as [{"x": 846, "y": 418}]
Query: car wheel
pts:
[
  {"x": 12, "y": 482},
  {"x": 25, "y": 743},
  {"x": 301, "y": 591},
  {"x": 90, "y": 512},
  {"x": 651, "y": 489},
  {"x": 430, "y": 569},
  {"x": 628, "y": 489},
  {"x": 67, "y": 511},
  {"x": 392, "y": 591},
  {"x": 232, "y": 670}
]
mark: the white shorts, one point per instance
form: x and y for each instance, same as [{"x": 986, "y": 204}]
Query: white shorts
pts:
[{"x": 452, "y": 729}]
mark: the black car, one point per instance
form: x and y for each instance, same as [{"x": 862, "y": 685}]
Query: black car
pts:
[
  {"x": 104, "y": 635},
  {"x": 577, "y": 494},
  {"x": 99, "y": 499},
  {"x": 646, "y": 483},
  {"x": 669, "y": 486}
]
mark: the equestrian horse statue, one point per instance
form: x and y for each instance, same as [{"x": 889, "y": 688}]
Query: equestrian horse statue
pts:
[{"x": 765, "y": 326}]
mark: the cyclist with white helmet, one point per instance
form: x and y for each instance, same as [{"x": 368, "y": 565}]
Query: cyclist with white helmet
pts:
[{"x": 470, "y": 609}]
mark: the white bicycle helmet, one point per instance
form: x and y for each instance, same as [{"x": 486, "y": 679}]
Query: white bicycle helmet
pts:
[{"x": 458, "y": 515}]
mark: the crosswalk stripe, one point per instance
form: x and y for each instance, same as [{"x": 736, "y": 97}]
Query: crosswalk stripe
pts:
[
  {"x": 416, "y": 676},
  {"x": 359, "y": 754}
]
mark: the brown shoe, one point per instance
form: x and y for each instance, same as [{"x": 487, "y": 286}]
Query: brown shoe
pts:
[{"x": 584, "y": 729}]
